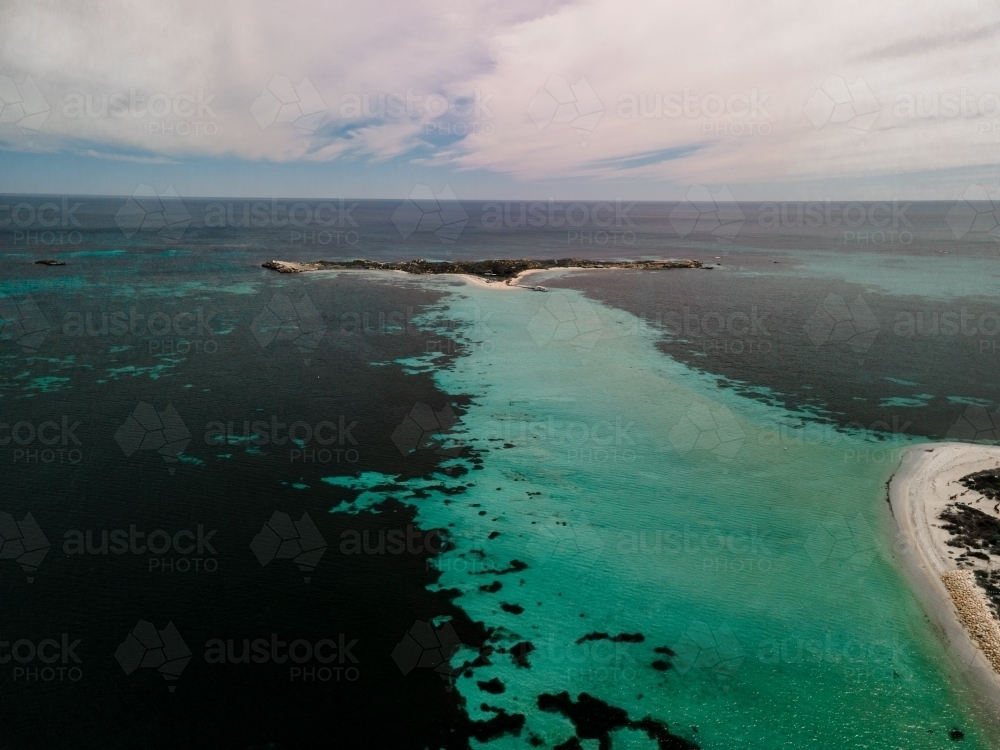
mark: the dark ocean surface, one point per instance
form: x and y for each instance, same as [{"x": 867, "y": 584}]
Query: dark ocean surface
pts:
[{"x": 163, "y": 385}]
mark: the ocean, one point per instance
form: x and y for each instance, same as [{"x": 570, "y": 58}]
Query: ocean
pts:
[{"x": 640, "y": 509}]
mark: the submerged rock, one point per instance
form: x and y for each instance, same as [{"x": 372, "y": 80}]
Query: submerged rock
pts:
[{"x": 594, "y": 719}]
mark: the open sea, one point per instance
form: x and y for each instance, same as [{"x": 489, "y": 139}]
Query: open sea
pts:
[{"x": 642, "y": 509}]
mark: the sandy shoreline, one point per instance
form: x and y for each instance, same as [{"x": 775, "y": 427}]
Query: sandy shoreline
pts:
[
  {"x": 519, "y": 281},
  {"x": 925, "y": 483}
]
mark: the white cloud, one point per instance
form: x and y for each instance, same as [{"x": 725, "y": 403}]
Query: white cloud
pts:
[{"x": 723, "y": 55}]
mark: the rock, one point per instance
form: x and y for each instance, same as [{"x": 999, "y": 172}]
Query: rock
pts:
[
  {"x": 50, "y": 262},
  {"x": 284, "y": 267},
  {"x": 974, "y": 613},
  {"x": 493, "y": 270}
]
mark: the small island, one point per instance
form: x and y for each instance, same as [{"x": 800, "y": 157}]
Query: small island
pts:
[{"x": 497, "y": 270}]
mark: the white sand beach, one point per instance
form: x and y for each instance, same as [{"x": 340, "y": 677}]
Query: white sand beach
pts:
[
  {"x": 926, "y": 482},
  {"x": 521, "y": 281}
]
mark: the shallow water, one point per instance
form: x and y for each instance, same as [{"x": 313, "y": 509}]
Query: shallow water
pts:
[
  {"x": 687, "y": 526},
  {"x": 644, "y": 499}
]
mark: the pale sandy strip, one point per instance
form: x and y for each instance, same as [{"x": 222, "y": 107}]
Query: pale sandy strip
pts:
[{"x": 918, "y": 492}]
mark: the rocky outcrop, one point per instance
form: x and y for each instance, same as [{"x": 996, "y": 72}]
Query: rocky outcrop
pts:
[
  {"x": 491, "y": 270},
  {"x": 974, "y": 613}
]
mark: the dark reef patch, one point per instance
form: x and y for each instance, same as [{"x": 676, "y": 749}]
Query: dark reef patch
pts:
[
  {"x": 494, "y": 686},
  {"x": 595, "y": 720},
  {"x": 372, "y": 600},
  {"x": 501, "y": 724},
  {"x": 620, "y": 638},
  {"x": 519, "y": 653},
  {"x": 516, "y": 566}
]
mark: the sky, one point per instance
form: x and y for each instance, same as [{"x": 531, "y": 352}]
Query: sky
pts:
[{"x": 588, "y": 99}]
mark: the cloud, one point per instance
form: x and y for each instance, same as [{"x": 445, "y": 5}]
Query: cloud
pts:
[
  {"x": 94, "y": 154},
  {"x": 714, "y": 92}
]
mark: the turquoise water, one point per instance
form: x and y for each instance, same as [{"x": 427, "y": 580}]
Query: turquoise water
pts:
[
  {"x": 645, "y": 499},
  {"x": 933, "y": 277}
]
